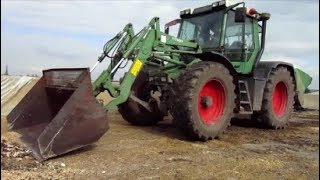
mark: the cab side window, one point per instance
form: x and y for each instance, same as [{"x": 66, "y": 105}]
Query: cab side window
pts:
[
  {"x": 188, "y": 29},
  {"x": 233, "y": 41}
]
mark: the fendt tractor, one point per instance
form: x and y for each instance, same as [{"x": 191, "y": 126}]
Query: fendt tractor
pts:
[{"x": 211, "y": 72}]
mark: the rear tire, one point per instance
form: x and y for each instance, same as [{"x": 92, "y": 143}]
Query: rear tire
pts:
[
  {"x": 204, "y": 100},
  {"x": 135, "y": 113},
  {"x": 278, "y": 99}
]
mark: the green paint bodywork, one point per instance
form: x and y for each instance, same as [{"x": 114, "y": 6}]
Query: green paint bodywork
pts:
[
  {"x": 147, "y": 44},
  {"x": 176, "y": 54},
  {"x": 303, "y": 80}
]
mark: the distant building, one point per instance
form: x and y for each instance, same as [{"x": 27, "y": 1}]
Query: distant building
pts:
[{"x": 6, "y": 73}]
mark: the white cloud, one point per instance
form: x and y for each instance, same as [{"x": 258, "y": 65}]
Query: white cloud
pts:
[
  {"x": 292, "y": 30},
  {"x": 31, "y": 52},
  {"x": 100, "y": 17},
  {"x": 294, "y": 45}
]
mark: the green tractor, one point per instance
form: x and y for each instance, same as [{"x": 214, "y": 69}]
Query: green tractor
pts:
[{"x": 211, "y": 72}]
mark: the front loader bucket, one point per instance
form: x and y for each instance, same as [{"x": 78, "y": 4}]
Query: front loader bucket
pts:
[{"x": 59, "y": 114}]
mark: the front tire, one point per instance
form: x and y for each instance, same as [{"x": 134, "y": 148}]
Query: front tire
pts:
[
  {"x": 204, "y": 100},
  {"x": 135, "y": 113},
  {"x": 278, "y": 99}
]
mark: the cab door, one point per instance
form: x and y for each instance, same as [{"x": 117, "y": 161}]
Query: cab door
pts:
[{"x": 240, "y": 47}]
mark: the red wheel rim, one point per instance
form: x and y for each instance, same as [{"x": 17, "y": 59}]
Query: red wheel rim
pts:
[
  {"x": 212, "y": 93},
  {"x": 279, "y": 99}
]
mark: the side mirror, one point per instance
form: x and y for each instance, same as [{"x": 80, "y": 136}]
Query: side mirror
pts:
[
  {"x": 171, "y": 23},
  {"x": 240, "y": 14}
]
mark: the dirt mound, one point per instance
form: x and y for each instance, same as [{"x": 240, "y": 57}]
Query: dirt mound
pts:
[
  {"x": 13, "y": 89},
  {"x": 10, "y": 85}
]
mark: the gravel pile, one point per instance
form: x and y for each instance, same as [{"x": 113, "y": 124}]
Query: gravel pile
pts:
[
  {"x": 13, "y": 150},
  {"x": 16, "y": 157}
]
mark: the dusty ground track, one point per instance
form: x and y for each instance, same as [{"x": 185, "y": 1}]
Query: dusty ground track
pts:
[{"x": 162, "y": 152}]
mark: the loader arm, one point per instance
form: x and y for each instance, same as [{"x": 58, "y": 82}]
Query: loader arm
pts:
[{"x": 149, "y": 42}]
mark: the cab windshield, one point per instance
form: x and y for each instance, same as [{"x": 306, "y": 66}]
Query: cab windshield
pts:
[{"x": 203, "y": 29}]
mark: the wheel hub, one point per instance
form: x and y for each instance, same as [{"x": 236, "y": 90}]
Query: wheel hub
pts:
[
  {"x": 211, "y": 102},
  {"x": 206, "y": 101}
]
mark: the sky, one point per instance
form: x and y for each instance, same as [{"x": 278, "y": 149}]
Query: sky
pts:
[{"x": 37, "y": 35}]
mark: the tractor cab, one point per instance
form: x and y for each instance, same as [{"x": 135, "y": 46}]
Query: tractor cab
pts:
[{"x": 233, "y": 32}]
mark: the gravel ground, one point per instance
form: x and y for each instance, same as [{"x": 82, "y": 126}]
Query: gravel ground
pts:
[{"x": 162, "y": 152}]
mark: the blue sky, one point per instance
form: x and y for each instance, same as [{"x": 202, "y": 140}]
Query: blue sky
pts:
[{"x": 37, "y": 35}]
